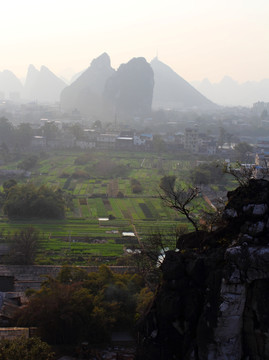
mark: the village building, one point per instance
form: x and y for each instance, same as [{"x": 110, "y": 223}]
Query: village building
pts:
[{"x": 191, "y": 140}]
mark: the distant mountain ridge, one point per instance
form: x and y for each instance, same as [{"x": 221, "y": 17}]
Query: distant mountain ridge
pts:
[
  {"x": 173, "y": 92},
  {"x": 131, "y": 91},
  {"x": 228, "y": 92},
  {"x": 102, "y": 92},
  {"x": 9, "y": 84},
  {"x": 90, "y": 93},
  {"x": 86, "y": 92},
  {"x": 42, "y": 86}
]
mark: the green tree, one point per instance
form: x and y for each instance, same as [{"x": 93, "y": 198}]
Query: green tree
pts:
[
  {"x": 23, "y": 247},
  {"x": 28, "y": 201},
  {"x": 25, "y": 349},
  {"x": 167, "y": 182},
  {"x": 6, "y": 131},
  {"x": 77, "y": 306},
  {"x": 158, "y": 144},
  {"x": 207, "y": 173},
  {"x": 28, "y": 163},
  {"x": 4, "y": 152},
  {"x": 200, "y": 176},
  {"x": 62, "y": 312},
  {"x": 77, "y": 131},
  {"x": 24, "y": 134},
  {"x": 50, "y": 131},
  {"x": 97, "y": 125},
  {"x": 242, "y": 149}
]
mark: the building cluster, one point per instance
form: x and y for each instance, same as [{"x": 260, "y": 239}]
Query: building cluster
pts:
[
  {"x": 191, "y": 140},
  {"x": 168, "y": 132}
]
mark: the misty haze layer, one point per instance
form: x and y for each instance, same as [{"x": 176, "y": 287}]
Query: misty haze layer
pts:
[
  {"x": 230, "y": 93},
  {"x": 102, "y": 92}
]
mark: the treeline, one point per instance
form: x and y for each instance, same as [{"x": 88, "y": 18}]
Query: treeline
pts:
[
  {"x": 77, "y": 306},
  {"x": 208, "y": 173},
  {"x": 29, "y": 201}
]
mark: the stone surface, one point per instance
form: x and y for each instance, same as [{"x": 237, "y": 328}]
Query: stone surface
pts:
[
  {"x": 213, "y": 304},
  {"x": 128, "y": 93}
]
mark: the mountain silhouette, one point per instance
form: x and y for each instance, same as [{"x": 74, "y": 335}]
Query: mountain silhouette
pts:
[
  {"x": 43, "y": 85},
  {"x": 228, "y": 92},
  {"x": 128, "y": 92},
  {"x": 9, "y": 84},
  {"x": 171, "y": 91},
  {"x": 86, "y": 92}
]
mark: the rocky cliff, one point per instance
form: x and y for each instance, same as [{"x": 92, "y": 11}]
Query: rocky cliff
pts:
[
  {"x": 103, "y": 93},
  {"x": 86, "y": 92},
  {"x": 213, "y": 303},
  {"x": 128, "y": 93}
]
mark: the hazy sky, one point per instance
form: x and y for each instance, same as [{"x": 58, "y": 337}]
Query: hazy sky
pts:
[{"x": 197, "y": 38}]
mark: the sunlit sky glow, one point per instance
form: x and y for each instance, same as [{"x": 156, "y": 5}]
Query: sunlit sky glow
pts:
[{"x": 197, "y": 38}]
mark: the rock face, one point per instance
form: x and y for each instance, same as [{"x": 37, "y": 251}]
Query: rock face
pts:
[
  {"x": 172, "y": 91},
  {"x": 129, "y": 91},
  {"x": 213, "y": 303},
  {"x": 86, "y": 92},
  {"x": 42, "y": 86},
  {"x": 103, "y": 93}
]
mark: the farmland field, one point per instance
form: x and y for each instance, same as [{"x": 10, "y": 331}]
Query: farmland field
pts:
[{"x": 104, "y": 205}]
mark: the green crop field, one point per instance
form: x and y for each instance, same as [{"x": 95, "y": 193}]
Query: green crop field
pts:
[{"x": 83, "y": 237}]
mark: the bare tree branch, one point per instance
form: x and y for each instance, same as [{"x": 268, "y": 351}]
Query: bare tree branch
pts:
[{"x": 180, "y": 199}]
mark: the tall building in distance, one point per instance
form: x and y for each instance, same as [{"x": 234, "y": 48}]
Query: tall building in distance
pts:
[{"x": 191, "y": 141}]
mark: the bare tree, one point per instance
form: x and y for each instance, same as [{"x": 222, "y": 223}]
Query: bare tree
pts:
[
  {"x": 181, "y": 200},
  {"x": 152, "y": 253},
  {"x": 213, "y": 218},
  {"x": 242, "y": 174}
]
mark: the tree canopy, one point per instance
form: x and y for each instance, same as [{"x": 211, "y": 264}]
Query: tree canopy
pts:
[
  {"x": 25, "y": 349},
  {"x": 28, "y": 201},
  {"x": 77, "y": 306},
  {"x": 23, "y": 247}
]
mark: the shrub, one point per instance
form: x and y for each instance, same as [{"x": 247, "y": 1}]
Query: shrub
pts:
[
  {"x": 80, "y": 174},
  {"x": 83, "y": 159},
  {"x": 25, "y": 349},
  {"x": 120, "y": 195},
  {"x": 137, "y": 189}
]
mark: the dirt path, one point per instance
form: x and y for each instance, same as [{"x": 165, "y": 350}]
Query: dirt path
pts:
[{"x": 137, "y": 236}]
